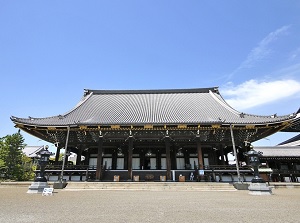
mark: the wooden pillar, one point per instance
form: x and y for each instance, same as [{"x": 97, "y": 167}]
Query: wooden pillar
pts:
[
  {"x": 226, "y": 159},
  {"x": 57, "y": 155},
  {"x": 79, "y": 153},
  {"x": 222, "y": 154},
  {"x": 168, "y": 158},
  {"x": 130, "y": 148},
  {"x": 125, "y": 159},
  {"x": 214, "y": 155},
  {"x": 114, "y": 159},
  {"x": 87, "y": 158},
  {"x": 142, "y": 159},
  {"x": 158, "y": 160},
  {"x": 186, "y": 158},
  {"x": 173, "y": 158},
  {"x": 99, "y": 158},
  {"x": 66, "y": 157},
  {"x": 199, "y": 152}
]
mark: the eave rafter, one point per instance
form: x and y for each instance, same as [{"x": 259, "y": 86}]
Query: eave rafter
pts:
[{"x": 210, "y": 133}]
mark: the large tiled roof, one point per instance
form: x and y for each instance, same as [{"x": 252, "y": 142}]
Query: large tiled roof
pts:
[
  {"x": 31, "y": 151},
  {"x": 295, "y": 141},
  {"x": 295, "y": 126},
  {"x": 130, "y": 107},
  {"x": 279, "y": 151}
]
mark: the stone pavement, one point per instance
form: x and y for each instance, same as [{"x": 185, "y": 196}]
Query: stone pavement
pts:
[{"x": 148, "y": 206}]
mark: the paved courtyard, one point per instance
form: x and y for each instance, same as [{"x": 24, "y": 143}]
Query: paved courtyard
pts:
[{"x": 148, "y": 206}]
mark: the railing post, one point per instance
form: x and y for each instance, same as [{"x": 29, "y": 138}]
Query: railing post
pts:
[
  {"x": 235, "y": 154},
  {"x": 66, "y": 150}
]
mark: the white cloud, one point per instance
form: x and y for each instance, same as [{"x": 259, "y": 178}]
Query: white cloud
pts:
[
  {"x": 253, "y": 93},
  {"x": 262, "y": 50},
  {"x": 295, "y": 54},
  {"x": 288, "y": 72}
]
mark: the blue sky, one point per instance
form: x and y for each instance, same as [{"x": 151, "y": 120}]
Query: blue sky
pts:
[{"x": 50, "y": 51}]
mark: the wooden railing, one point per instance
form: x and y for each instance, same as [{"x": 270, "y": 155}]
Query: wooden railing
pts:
[
  {"x": 286, "y": 172},
  {"x": 71, "y": 167},
  {"x": 226, "y": 167}
]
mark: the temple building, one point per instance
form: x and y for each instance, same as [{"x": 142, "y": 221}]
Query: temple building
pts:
[
  {"x": 295, "y": 141},
  {"x": 152, "y": 134}
]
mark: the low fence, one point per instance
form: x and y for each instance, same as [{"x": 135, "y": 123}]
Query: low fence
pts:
[{"x": 213, "y": 173}]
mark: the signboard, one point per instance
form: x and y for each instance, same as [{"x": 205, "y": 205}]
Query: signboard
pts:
[
  {"x": 201, "y": 172},
  {"x": 47, "y": 192}
]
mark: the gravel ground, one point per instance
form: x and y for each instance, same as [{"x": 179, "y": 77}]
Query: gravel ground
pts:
[{"x": 148, "y": 206}]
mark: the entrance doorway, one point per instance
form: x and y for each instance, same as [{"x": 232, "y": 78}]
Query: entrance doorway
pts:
[
  {"x": 180, "y": 163},
  {"x": 194, "y": 162},
  {"x": 150, "y": 163},
  {"x": 136, "y": 163},
  {"x": 107, "y": 162},
  {"x": 120, "y": 163},
  {"x": 163, "y": 163}
]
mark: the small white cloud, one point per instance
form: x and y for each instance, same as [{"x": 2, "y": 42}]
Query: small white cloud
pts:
[
  {"x": 262, "y": 50},
  {"x": 295, "y": 54},
  {"x": 253, "y": 93},
  {"x": 288, "y": 72}
]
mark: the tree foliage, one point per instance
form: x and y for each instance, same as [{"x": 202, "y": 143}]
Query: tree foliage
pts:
[
  {"x": 60, "y": 158},
  {"x": 14, "y": 165}
]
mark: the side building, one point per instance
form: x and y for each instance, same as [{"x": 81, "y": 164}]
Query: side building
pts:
[{"x": 282, "y": 161}]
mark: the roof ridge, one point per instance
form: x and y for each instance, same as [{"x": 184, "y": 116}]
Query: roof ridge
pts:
[
  {"x": 80, "y": 103},
  {"x": 224, "y": 104},
  {"x": 154, "y": 91}
]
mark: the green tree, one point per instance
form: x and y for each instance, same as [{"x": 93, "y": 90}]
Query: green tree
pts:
[
  {"x": 60, "y": 158},
  {"x": 28, "y": 169},
  {"x": 2, "y": 168},
  {"x": 14, "y": 165}
]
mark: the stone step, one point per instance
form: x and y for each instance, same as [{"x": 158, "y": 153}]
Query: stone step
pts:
[
  {"x": 199, "y": 186},
  {"x": 19, "y": 183}
]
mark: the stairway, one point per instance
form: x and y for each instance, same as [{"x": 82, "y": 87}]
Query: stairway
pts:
[{"x": 151, "y": 186}]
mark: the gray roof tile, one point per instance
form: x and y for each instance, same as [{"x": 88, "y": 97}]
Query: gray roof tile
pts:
[
  {"x": 31, "y": 151},
  {"x": 279, "y": 151},
  {"x": 129, "y": 107}
]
